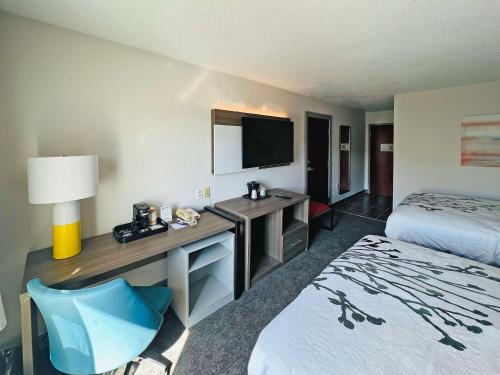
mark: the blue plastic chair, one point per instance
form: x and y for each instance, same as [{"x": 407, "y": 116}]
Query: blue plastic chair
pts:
[{"x": 99, "y": 329}]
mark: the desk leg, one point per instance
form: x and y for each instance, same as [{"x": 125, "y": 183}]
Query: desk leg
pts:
[
  {"x": 304, "y": 216},
  {"x": 29, "y": 334},
  {"x": 248, "y": 246}
]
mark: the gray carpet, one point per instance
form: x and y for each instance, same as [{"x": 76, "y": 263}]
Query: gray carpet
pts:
[{"x": 223, "y": 342}]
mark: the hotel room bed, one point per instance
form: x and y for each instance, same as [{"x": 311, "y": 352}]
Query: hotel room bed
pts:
[
  {"x": 388, "y": 307},
  {"x": 468, "y": 227}
]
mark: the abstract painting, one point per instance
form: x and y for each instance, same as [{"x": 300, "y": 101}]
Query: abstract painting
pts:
[{"x": 481, "y": 141}]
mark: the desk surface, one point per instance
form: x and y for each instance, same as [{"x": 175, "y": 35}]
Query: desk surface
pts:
[
  {"x": 104, "y": 254},
  {"x": 249, "y": 209}
]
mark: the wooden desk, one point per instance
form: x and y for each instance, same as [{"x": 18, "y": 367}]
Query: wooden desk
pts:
[
  {"x": 281, "y": 216},
  {"x": 101, "y": 257}
]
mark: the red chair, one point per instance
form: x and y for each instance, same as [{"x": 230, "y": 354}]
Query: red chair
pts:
[{"x": 318, "y": 210}]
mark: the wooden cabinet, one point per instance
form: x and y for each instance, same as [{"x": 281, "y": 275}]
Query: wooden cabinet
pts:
[
  {"x": 295, "y": 240},
  {"x": 276, "y": 229}
]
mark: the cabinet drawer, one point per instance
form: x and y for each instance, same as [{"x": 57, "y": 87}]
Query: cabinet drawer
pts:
[{"x": 295, "y": 243}]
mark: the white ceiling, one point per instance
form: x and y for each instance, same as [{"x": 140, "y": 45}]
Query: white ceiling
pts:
[{"x": 357, "y": 53}]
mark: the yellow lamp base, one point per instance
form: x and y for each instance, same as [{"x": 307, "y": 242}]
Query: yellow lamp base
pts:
[{"x": 66, "y": 240}]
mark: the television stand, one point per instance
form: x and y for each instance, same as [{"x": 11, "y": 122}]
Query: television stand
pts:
[{"x": 276, "y": 230}]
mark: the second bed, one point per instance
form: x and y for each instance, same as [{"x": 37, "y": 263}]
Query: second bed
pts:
[{"x": 469, "y": 227}]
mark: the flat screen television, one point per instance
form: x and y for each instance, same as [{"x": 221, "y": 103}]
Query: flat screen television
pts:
[{"x": 266, "y": 142}]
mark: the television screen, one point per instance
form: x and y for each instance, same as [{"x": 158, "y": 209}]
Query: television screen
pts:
[{"x": 266, "y": 142}]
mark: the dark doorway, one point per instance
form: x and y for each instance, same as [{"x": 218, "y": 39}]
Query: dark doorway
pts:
[
  {"x": 318, "y": 157},
  {"x": 381, "y": 159}
]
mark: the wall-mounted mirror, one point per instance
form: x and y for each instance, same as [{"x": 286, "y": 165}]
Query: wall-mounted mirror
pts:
[{"x": 345, "y": 159}]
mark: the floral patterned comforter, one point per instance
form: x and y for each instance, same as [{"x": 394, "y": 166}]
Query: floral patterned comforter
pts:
[{"x": 388, "y": 307}]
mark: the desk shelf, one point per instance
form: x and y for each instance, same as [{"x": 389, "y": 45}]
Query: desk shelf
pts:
[
  {"x": 207, "y": 255},
  {"x": 206, "y": 242},
  {"x": 263, "y": 266},
  {"x": 201, "y": 276},
  {"x": 292, "y": 226}
]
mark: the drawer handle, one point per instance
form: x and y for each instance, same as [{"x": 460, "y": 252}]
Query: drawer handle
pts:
[{"x": 296, "y": 243}]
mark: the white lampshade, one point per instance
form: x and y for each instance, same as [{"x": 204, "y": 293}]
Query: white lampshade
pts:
[{"x": 62, "y": 178}]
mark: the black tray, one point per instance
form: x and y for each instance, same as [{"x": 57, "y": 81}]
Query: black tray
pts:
[
  {"x": 119, "y": 232},
  {"x": 259, "y": 198}
]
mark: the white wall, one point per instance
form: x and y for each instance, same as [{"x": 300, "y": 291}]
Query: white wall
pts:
[
  {"x": 148, "y": 118},
  {"x": 373, "y": 118},
  {"x": 427, "y": 134}
]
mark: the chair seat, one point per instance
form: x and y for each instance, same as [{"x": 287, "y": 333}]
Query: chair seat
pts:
[
  {"x": 317, "y": 208},
  {"x": 158, "y": 297},
  {"x": 100, "y": 328}
]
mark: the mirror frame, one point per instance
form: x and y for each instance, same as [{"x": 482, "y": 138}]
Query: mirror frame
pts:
[{"x": 344, "y": 131}]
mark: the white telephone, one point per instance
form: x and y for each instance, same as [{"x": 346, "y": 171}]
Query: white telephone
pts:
[{"x": 187, "y": 216}]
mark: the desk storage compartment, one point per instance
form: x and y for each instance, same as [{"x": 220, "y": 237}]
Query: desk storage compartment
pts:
[
  {"x": 263, "y": 257},
  {"x": 210, "y": 288},
  {"x": 294, "y": 242},
  {"x": 201, "y": 276}
]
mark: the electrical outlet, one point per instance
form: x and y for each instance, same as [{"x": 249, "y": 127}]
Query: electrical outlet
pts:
[
  {"x": 206, "y": 192},
  {"x": 198, "y": 193}
]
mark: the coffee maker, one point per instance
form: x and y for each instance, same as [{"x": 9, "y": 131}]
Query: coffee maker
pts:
[
  {"x": 140, "y": 217},
  {"x": 140, "y": 226},
  {"x": 251, "y": 186}
]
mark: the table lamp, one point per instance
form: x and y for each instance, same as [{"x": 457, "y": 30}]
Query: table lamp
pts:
[{"x": 63, "y": 180}]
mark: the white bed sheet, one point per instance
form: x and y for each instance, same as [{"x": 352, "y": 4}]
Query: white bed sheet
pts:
[
  {"x": 388, "y": 307},
  {"x": 468, "y": 227}
]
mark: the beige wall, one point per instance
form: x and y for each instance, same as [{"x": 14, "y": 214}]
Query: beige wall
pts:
[
  {"x": 148, "y": 118},
  {"x": 427, "y": 133},
  {"x": 373, "y": 118}
]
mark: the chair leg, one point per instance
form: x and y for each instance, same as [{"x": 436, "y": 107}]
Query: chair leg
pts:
[
  {"x": 331, "y": 220},
  {"x": 331, "y": 226}
]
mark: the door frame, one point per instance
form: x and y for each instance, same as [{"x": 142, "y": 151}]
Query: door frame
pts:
[
  {"x": 308, "y": 115},
  {"x": 368, "y": 185}
]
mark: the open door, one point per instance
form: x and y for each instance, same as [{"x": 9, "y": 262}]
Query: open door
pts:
[
  {"x": 318, "y": 157},
  {"x": 381, "y": 159}
]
